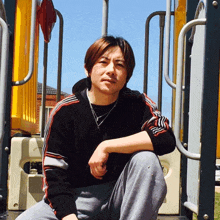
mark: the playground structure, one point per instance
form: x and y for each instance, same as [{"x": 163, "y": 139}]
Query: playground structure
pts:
[{"x": 189, "y": 171}]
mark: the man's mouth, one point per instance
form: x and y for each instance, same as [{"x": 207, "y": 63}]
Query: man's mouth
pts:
[{"x": 109, "y": 80}]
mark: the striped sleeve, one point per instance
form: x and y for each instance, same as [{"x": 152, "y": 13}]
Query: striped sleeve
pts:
[
  {"x": 56, "y": 184},
  {"x": 54, "y": 160},
  {"x": 157, "y": 127}
]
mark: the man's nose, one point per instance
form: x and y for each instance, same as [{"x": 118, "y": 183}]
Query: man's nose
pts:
[{"x": 111, "y": 68}]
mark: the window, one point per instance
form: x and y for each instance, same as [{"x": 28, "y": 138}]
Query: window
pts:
[{"x": 47, "y": 113}]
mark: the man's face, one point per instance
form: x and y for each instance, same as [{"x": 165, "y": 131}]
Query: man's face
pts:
[{"x": 109, "y": 73}]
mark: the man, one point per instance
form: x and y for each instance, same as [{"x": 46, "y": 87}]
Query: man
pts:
[{"x": 101, "y": 145}]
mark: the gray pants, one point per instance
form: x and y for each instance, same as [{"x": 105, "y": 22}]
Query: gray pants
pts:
[{"x": 137, "y": 195}]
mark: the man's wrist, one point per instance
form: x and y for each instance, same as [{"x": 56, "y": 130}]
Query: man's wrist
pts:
[
  {"x": 70, "y": 217},
  {"x": 106, "y": 146}
]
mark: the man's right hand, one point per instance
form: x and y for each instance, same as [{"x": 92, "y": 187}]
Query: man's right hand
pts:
[{"x": 98, "y": 160}]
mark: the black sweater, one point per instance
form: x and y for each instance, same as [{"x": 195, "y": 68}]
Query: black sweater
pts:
[{"x": 71, "y": 136}]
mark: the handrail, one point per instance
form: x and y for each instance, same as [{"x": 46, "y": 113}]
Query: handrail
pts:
[
  {"x": 167, "y": 45},
  {"x": 191, "y": 207},
  {"x": 147, "y": 25},
  {"x": 3, "y": 77},
  {"x": 44, "y": 90},
  {"x": 178, "y": 106},
  {"x": 32, "y": 41},
  {"x": 59, "y": 56},
  {"x": 44, "y": 84},
  {"x": 160, "y": 73}
]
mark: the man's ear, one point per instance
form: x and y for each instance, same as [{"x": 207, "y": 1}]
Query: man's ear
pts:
[{"x": 86, "y": 71}]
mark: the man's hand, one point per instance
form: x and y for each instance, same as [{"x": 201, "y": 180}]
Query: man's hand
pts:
[
  {"x": 98, "y": 161},
  {"x": 70, "y": 217},
  {"x": 125, "y": 145}
]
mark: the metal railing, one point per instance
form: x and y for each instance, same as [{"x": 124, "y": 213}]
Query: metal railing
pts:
[
  {"x": 167, "y": 45},
  {"x": 178, "y": 105},
  {"x": 44, "y": 84},
  {"x": 162, "y": 15},
  {"x": 32, "y": 40},
  {"x": 60, "y": 52},
  {"x": 3, "y": 78}
]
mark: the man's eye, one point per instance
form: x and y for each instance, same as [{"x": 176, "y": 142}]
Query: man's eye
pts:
[
  {"x": 121, "y": 64},
  {"x": 102, "y": 61}
]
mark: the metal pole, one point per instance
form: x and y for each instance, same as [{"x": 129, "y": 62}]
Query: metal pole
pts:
[
  {"x": 191, "y": 7},
  {"x": 209, "y": 112},
  {"x": 3, "y": 77},
  {"x": 160, "y": 78},
  {"x": 44, "y": 85},
  {"x": 60, "y": 50},
  {"x": 32, "y": 40},
  {"x": 147, "y": 27},
  {"x": 167, "y": 45},
  {"x": 179, "y": 87},
  {"x": 3, "y": 92},
  {"x": 10, "y": 6},
  {"x": 105, "y": 18}
]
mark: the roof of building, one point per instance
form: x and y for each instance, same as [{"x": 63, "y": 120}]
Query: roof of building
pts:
[{"x": 49, "y": 90}]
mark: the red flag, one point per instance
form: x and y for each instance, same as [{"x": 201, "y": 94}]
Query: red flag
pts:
[{"x": 47, "y": 18}]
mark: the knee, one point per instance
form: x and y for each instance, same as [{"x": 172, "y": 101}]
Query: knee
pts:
[{"x": 146, "y": 160}]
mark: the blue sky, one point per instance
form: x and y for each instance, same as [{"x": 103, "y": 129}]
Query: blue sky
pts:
[{"x": 83, "y": 25}]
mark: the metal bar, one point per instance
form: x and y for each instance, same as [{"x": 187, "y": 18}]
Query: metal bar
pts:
[
  {"x": 3, "y": 78},
  {"x": 32, "y": 41},
  {"x": 147, "y": 27},
  {"x": 105, "y": 17},
  {"x": 191, "y": 207},
  {"x": 209, "y": 112},
  {"x": 184, "y": 211},
  {"x": 3, "y": 92},
  {"x": 44, "y": 90},
  {"x": 160, "y": 75},
  {"x": 10, "y": 6},
  {"x": 167, "y": 45},
  {"x": 178, "y": 105},
  {"x": 60, "y": 50}
]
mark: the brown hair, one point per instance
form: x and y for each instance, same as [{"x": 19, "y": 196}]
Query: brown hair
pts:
[{"x": 101, "y": 45}]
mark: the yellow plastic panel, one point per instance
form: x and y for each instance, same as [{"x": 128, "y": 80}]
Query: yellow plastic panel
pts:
[{"x": 24, "y": 97}]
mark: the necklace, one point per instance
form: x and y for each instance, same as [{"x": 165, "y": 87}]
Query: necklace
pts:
[{"x": 99, "y": 119}]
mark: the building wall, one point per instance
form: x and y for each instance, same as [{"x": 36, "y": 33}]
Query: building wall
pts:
[{"x": 50, "y": 102}]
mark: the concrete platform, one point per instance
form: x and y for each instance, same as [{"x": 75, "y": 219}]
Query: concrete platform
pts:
[{"x": 217, "y": 189}]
